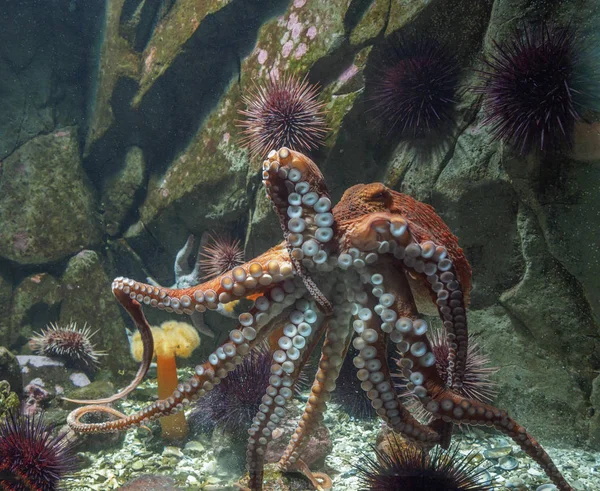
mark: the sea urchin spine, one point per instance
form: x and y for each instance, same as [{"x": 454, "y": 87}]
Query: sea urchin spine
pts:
[
  {"x": 409, "y": 468},
  {"x": 283, "y": 112},
  {"x": 31, "y": 457},
  {"x": 235, "y": 401},
  {"x": 477, "y": 383},
  {"x": 530, "y": 89},
  {"x": 219, "y": 255},
  {"x": 68, "y": 343},
  {"x": 415, "y": 92}
]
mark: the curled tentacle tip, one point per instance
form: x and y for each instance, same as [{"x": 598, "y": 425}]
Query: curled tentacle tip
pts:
[{"x": 325, "y": 482}]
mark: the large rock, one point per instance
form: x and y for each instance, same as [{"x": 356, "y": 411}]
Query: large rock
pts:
[
  {"x": 88, "y": 299},
  {"x": 550, "y": 304},
  {"x": 46, "y": 201},
  {"x": 116, "y": 61},
  {"x": 5, "y": 302},
  {"x": 42, "y": 74},
  {"x": 533, "y": 386},
  {"x": 36, "y": 302},
  {"x": 120, "y": 190}
]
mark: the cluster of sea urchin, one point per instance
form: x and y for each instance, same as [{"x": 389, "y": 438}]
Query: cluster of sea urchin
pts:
[
  {"x": 416, "y": 89},
  {"x": 219, "y": 255},
  {"x": 409, "y": 468},
  {"x": 530, "y": 88},
  {"x": 69, "y": 343},
  {"x": 283, "y": 112},
  {"x": 477, "y": 383},
  {"x": 32, "y": 457}
]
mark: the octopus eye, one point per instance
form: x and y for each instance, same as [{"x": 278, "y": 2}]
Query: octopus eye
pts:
[{"x": 380, "y": 196}]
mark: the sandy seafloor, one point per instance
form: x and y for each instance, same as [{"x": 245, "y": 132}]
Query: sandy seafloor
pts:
[{"x": 195, "y": 468}]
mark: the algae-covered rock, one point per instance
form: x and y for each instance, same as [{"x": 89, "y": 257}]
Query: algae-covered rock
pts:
[
  {"x": 120, "y": 190},
  {"x": 35, "y": 303},
  {"x": 5, "y": 302},
  {"x": 530, "y": 379},
  {"x": 88, "y": 299},
  {"x": 42, "y": 74},
  {"x": 595, "y": 419},
  {"x": 10, "y": 371},
  {"x": 551, "y": 304},
  {"x": 98, "y": 389},
  {"x": 570, "y": 219},
  {"x": 116, "y": 60},
  {"x": 46, "y": 201}
]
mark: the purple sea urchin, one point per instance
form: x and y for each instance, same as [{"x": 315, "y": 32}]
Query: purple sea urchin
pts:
[
  {"x": 235, "y": 401},
  {"x": 476, "y": 379},
  {"x": 68, "y": 343},
  {"x": 415, "y": 92},
  {"x": 348, "y": 392},
  {"x": 409, "y": 468},
  {"x": 31, "y": 456},
  {"x": 283, "y": 112},
  {"x": 220, "y": 255},
  {"x": 530, "y": 86}
]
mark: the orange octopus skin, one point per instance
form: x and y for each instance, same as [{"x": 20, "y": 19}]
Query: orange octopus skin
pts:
[{"x": 344, "y": 274}]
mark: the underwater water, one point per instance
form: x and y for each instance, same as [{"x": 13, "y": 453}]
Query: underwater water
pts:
[{"x": 300, "y": 244}]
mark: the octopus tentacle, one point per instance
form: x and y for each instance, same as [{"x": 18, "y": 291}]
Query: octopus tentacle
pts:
[
  {"x": 301, "y": 201},
  {"x": 250, "y": 330},
  {"x": 252, "y": 277},
  {"x": 335, "y": 346},
  {"x": 76, "y": 415},
  {"x": 294, "y": 342},
  {"x": 136, "y": 313},
  {"x": 319, "y": 480},
  {"x": 377, "y": 321},
  {"x": 390, "y": 234},
  {"x": 206, "y": 376},
  {"x": 453, "y": 407},
  {"x": 257, "y": 276}
]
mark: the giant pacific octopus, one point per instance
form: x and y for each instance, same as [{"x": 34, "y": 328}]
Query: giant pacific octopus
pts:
[{"x": 361, "y": 272}]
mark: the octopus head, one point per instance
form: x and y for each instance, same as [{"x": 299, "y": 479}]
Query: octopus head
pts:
[{"x": 364, "y": 199}]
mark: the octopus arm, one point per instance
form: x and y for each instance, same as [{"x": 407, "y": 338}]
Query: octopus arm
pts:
[
  {"x": 254, "y": 327},
  {"x": 438, "y": 269},
  {"x": 292, "y": 345},
  {"x": 253, "y": 278}
]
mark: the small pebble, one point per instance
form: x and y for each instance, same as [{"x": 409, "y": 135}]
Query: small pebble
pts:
[
  {"x": 172, "y": 452},
  {"x": 194, "y": 447}
]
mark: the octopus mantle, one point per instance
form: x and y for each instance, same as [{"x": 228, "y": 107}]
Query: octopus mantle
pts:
[{"x": 359, "y": 273}]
